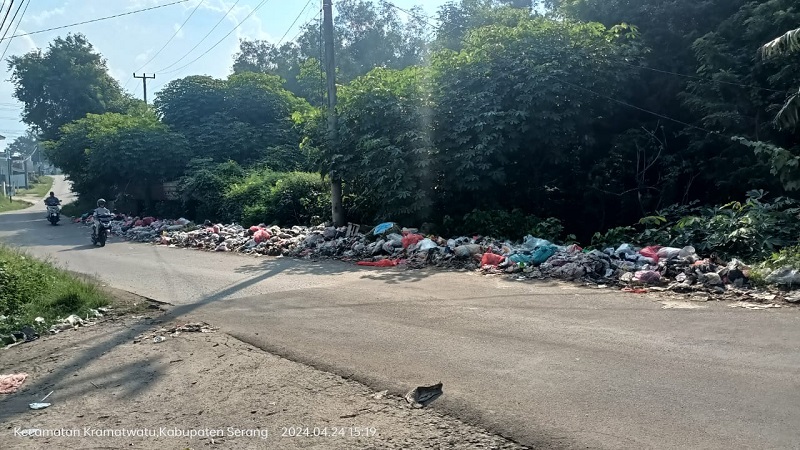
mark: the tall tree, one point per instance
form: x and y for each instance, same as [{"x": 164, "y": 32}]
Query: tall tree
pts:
[
  {"x": 64, "y": 83},
  {"x": 368, "y": 35},
  {"x": 107, "y": 154},
  {"x": 789, "y": 115},
  {"x": 246, "y": 118}
]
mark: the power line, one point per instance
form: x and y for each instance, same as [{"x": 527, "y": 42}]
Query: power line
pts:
[
  {"x": 96, "y": 20},
  {"x": 3, "y": 23},
  {"x": 308, "y": 22},
  {"x": 638, "y": 108},
  {"x": 17, "y": 27},
  {"x": 308, "y": 3},
  {"x": 168, "y": 41},
  {"x": 263, "y": 2},
  {"x": 201, "y": 40},
  {"x": 694, "y": 77}
]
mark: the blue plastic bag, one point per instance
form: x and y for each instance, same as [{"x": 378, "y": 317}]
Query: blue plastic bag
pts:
[{"x": 382, "y": 228}]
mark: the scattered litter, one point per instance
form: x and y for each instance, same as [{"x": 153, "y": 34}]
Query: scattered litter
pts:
[
  {"x": 159, "y": 339},
  {"x": 755, "y": 306},
  {"x": 380, "y": 395},
  {"x": 422, "y": 396},
  {"x": 195, "y": 327},
  {"x": 40, "y": 405},
  {"x": 11, "y": 383}
]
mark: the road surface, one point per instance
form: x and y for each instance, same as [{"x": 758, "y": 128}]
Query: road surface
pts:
[{"x": 548, "y": 365}]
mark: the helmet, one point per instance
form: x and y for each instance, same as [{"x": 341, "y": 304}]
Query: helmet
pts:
[
  {"x": 52, "y": 194},
  {"x": 101, "y": 203}
]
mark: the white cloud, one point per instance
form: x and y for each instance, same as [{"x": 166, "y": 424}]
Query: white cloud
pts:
[
  {"x": 39, "y": 19},
  {"x": 178, "y": 30},
  {"x": 142, "y": 56}
]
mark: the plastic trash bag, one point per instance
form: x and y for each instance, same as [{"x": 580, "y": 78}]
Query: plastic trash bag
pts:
[
  {"x": 427, "y": 244},
  {"x": 534, "y": 242},
  {"x": 382, "y": 228},
  {"x": 490, "y": 259},
  {"x": 784, "y": 276}
]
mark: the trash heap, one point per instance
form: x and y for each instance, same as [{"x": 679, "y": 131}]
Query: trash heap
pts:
[{"x": 389, "y": 245}]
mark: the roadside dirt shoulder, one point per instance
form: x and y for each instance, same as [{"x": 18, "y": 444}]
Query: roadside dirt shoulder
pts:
[{"x": 114, "y": 386}]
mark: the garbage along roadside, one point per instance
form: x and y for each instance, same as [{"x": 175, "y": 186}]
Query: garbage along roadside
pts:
[{"x": 679, "y": 270}]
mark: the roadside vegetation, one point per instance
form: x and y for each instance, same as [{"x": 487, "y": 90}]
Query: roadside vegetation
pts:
[
  {"x": 577, "y": 120},
  {"x": 12, "y": 205},
  {"x": 30, "y": 288},
  {"x": 41, "y": 187}
]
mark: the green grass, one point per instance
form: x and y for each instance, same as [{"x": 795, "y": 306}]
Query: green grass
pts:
[
  {"x": 41, "y": 188},
  {"x": 8, "y": 205},
  {"x": 30, "y": 288}
]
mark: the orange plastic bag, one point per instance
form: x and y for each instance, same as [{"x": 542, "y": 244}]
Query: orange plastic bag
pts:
[{"x": 490, "y": 259}]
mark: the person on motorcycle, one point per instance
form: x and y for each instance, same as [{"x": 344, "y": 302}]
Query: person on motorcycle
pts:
[
  {"x": 101, "y": 210},
  {"x": 52, "y": 200}
]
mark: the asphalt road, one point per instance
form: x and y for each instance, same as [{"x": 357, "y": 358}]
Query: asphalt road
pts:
[{"x": 549, "y": 365}]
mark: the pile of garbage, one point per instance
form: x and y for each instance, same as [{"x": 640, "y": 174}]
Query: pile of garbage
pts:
[{"x": 389, "y": 245}]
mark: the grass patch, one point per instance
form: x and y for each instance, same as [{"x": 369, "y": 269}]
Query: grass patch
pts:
[
  {"x": 41, "y": 188},
  {"x": 31, "y": 288},
  {"x": 9, "y": 205}
]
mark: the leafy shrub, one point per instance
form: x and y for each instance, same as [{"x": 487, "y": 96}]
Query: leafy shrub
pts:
[
  {"x": 750, "y": 230},
  {"x": 294, "y": 198},
  {"x": 505, "y": 225},
  {"x": 203, "y": 189},
  {"x": 613, "y": 237}
]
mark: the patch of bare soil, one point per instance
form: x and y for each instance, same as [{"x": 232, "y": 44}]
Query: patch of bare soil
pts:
[{"x": 118, "y": 384}]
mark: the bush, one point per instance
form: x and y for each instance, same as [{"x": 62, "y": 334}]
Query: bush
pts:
[
  {"x": 294, "y": 198},
  {"x": 30, "y": 288},
  {"x": 751, "y": 230},
  {"x": 505, "y": 225}
]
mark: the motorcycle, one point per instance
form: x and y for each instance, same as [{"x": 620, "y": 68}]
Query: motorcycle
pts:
[
  {"x": 101, "y": 228},
  {"x": 53, "y": 214}
]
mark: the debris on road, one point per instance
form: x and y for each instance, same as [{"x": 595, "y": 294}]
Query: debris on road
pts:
[
  {"x": 422, "y": 396},
  {"x": 679, "y": 270},
  {"x": 195, "y": 327},
  {"x": 11, "y": 383},
  {"x": 159, "y": 335},
  {"x": 39, "y": 404}
]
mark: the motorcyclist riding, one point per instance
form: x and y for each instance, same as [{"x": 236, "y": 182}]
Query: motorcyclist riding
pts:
[
  {"x": 101, "y": 210},
  {"x": 52, "y": 200}
]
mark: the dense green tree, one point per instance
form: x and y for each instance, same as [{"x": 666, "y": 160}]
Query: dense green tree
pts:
[
  {"x": 386, "y": 137},
  {"x": 518, "y": 110},
  {"x": 366, "y": 36},
  {"x": 108, "y": 154},
  {"x": 246, "y": 118},
  {"x": 64, "y": 83}
]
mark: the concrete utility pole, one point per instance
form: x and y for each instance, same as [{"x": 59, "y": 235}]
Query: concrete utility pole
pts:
[
  {"x": 330, "y": 71},
  {"x": 144, "y": 78}
]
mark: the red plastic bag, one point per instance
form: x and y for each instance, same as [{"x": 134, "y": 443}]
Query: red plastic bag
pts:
[
  {"x": 261, "y": 236},
  {"x": 381, "y": 263},
  {"x": 651, "y": 252},
  {"x": 254, "y": 229},
  {"x": 411, "y": 239},
  {"x": 490, "y": 259}
]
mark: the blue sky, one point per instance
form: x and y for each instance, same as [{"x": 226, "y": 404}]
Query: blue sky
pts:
[{"x": 128, "y": 42}]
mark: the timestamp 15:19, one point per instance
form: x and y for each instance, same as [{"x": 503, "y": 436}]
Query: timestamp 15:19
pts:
[{"x": 328, "y": 432}]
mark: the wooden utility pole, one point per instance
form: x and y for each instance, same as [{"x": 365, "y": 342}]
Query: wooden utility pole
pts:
[
  {"x": 144, "y": 78},
  {"x": 330, "y": 71}
]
